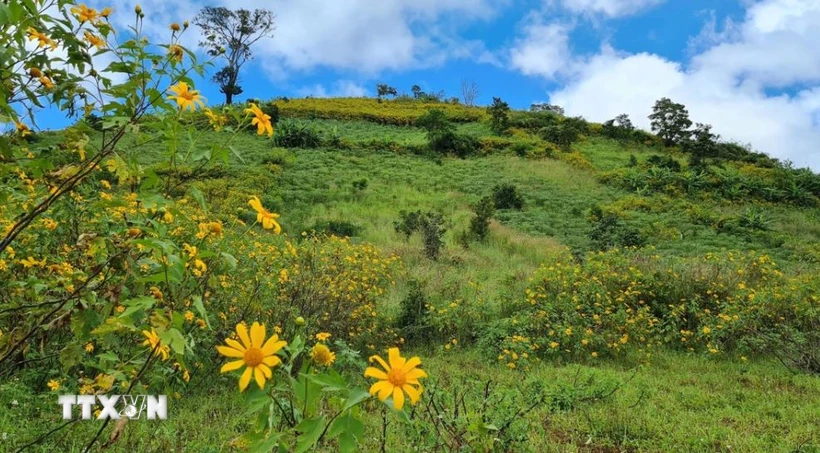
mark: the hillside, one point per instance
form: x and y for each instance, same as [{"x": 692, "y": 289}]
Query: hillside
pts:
[{"x": 597, "y": 294}]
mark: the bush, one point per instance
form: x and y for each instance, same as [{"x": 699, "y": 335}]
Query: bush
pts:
[
  {"x": 480, "y": 223},
  {"x": 667, "y": 162},
  {"x": 499, "y": 113},
  {"x": 563, "y": 135},
  {"x": 506, "y": 196},
  {"x": 429, "y": 224},
  {"x": 291, "y": 134},
  {"x": 412, "y": 321},
  {"x": 340, "y": 228},
  {"x": 608, "y": 230}
]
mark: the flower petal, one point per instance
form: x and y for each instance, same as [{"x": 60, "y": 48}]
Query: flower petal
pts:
[
  {"x": 381, "y": 362},
  {"x": 396, "y": 360},
  {"x": 383, "y": 388},
  {"x": 375, "y": 373},
  {"x": 412, "y": 392},
  {"x": 257, "y": 335},
  {"x": 398, "y": 398},
  {"x": 235, "y": 344},
  {"x": 260, "y": 378},
  {"x": 245, "y": 379},
  {"x": 242, "y": 331},
  {"x": 273, "y": 345},
  {"x": 230, "y": 352},
  {"x": 410, "y": 364},
  {"x": 265, "y": 370},
  {"x": 272, "y": 361},
  {"x": 230, "y": 366},
  {"x": 415, "y": 374}
]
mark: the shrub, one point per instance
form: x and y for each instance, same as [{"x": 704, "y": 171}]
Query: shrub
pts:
[
  {"x": 608, "y": 230},
  {"x": 667, "y": 162},
  {"x": 340, "y": 228},
  {"x": 291, "y": 134},
  {"x": 429, "y": 224},
  {"x": 412, "y": 321},
  {"x": 359, "y": 185},
  {"x": 563, "y": 135},
  {"x": 499, "y": 113},
  {"x": 506, "y": 196},
  {"x": 480, "y": 223}
]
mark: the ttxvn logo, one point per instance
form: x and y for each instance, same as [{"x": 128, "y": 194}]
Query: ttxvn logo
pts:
[{"x": 116, "y": 406}]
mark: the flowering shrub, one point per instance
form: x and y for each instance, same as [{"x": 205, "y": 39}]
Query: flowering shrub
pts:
[
  {"x": 401, "y": 113},
  {"x": 622, "y": 300}
]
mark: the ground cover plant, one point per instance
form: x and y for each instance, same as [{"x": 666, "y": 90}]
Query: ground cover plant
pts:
[{"x": 386, "y": 274}]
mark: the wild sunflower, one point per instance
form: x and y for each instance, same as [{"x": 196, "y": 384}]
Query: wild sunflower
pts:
[
  {"x": 94, "y": 40},
  {"x": 256, "y": 354},
  {"x": 84, "y": 13},
  {"x": 265, "y": 217},
  {"x": 261, "y": 120},
  {"x": 153, "y": 341},
  {"x": 185, "y": 97},
  {"x": 400, "y": 377},
  {"x": 322, "y": 336},
  {"x": 42, "y": 38},
  {"x": 322, "y": 355}
]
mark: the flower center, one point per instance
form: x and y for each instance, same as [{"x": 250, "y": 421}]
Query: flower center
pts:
[
  {"x": 397, "y": 377},
  {"x": 188, "y": 95},
  {"x": 253, "y": 357}
]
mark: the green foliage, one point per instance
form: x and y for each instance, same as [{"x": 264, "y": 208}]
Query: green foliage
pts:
[
  {"x": 429, "y": 224},
  {"x": 340, "y": 228},
  {"x": 499, "y": 113},
  {"x": 480, "y": 223},
  {"x": 413, "y": 320},
  {"x": 619, "y": 128},
  {"x": 670, "y": 121},
  {"x": 563, "y": 135},
  {"x": 667, "y": 162},
  {"x": 609, "y": 230},
  {"x": 506, "y": 196},
  {"x": 295, "y": 134}
]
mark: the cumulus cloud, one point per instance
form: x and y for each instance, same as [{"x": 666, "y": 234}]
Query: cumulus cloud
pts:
[
  {"x": 543, "y": 50},
  {"x": 729, "y": 84}
]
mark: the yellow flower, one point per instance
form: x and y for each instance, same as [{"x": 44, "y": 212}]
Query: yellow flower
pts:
[
  {"x": 175, "y": 52},
  {"x": 46, "y": 82},
  {"x": 217, "y": 121},
  {"x": 54, "y": 385},
  {"x": 185, "y": 97},
  {"x": 321, "y": 354},
  {"x": 155, "y": 292},
  {"x": 22, "y": 129},
  {"x": 189, "y": 316},
  {"x": 706, "y": 330},
  {"x": 44, "y": 40},
  {"x": 35, "y": 72},
  {"x": 31, "y": 262},
  {"x": 94, "y": 40},
  {"x": 89, "y": 347},
  {"x": 106, "y": 11},
  {"x": 50, "y": 224},
  {"x": 322, "y": 336},
  {"x": 265, "y": 217},
  {"x": 152, "y": 340},
  {"x": 84, "y": 13},
  {"x": 175, "y": 27},
  {"x": 261, "y": 120},
  {"x": 257, "y": 355},
  {"x": 400, "y": 377},
  {"x": 199, "y": 268}
]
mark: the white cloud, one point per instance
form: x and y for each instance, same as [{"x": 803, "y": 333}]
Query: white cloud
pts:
[
  {"x": 728, "y": 85},
  {"x": 341, "y": 88},
  {"x": 611, "y": 8},
  {"x": 543, "y": 50},
  {"x": 353, "y": 35}
]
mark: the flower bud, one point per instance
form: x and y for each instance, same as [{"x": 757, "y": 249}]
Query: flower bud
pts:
[
  {"x": 138, "y": 9},
  {"x": 300, "y": 321},
  {"x": 175, "y": 27}
]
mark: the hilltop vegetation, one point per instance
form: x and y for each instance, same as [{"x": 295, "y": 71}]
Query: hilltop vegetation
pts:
[{"x": 550, "y": 283}]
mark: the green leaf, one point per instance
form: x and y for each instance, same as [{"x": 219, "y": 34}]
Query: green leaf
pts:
[
  {"x": 71, "y": 355},
  {"x": 356, "y": 397},
  {"x": 230, "y": 260},
  {"x": 200, "y": 308},
  {"x": 236, "y": 153},
  {"x": 174, "y": 339},
  {"x": 307, "y": 392},
  {"x": 349, "y": 430},
  {"x": 265, "y": 444},
  {"x": 135, "y": 305},
  {"x": 311, "y": 430}
]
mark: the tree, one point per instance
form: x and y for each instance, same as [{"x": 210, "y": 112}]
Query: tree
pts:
[
  {"x": 671, "y": 121},
  {"x": 499, "y": 116},
  {"x": 469, "y": 92},
  {"x": 417, "y": 92},
  {"x": 701, "y": 145},
  {"x": 231, "y": 33},
  {"x": 619, "y": 128},
  {"x": 384, "y": 89}
]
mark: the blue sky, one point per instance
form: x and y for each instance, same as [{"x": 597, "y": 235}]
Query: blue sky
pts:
[{"x": 751, "y": 68}]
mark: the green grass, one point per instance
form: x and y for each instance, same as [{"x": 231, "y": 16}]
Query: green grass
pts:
[{"x": 677, "y": 403}]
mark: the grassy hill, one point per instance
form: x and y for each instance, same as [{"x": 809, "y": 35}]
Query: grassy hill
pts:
[{"x": 629, "y": 303}]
